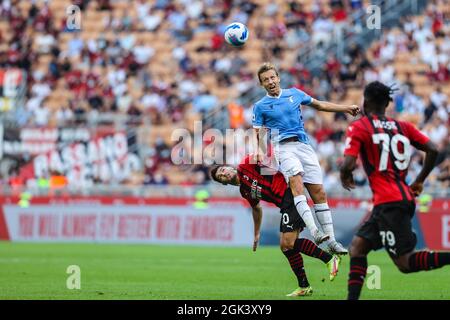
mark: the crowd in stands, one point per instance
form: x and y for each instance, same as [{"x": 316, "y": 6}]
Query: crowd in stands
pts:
[
  {"x": 146, "y": 61},
  {"x": 425, "y": 43}
]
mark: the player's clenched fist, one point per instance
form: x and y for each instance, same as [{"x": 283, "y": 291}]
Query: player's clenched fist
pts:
[
  {"x": 353, "y": 110},
  {"x": 416, "y": 188}
]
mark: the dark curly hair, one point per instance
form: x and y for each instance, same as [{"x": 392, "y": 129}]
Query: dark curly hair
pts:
[{"x": 378, "y": 95}]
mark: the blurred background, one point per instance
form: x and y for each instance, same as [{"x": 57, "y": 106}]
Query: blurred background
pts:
[{"x": 92, "y": 90}]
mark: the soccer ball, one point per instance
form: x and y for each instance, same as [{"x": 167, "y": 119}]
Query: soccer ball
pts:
[{"x": 236, "y": 34}]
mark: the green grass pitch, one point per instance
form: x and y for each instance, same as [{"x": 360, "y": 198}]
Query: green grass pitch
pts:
[{"x": 38, "y": 271}]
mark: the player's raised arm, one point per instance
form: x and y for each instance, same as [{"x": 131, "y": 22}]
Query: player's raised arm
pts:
[
  {"x": 257, "y": 219},
  {"x": 332, "y": 107}
]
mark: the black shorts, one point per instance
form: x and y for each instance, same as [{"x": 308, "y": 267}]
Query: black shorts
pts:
[
  {"x": 390, "y": 227},
  {"x": 290, "y": 218}
]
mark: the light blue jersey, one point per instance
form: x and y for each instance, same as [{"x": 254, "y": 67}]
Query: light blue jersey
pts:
[{"x": 282, "y": 113}]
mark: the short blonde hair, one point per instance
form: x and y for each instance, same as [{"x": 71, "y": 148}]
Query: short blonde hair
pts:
[{"x": 266, "y": 66}]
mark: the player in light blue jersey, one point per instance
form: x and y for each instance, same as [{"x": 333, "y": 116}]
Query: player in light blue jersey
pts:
[{"x": 279, "y": 111}]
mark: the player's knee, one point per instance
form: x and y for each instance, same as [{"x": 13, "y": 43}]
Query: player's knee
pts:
[
  {"x": 402, "y": 268},
  {"x": 353, "y": 251},
  {"x": 286, "y": 243},
  {"x": 296, "y": 184},
  {"x": 284, "y": 247},
  {"x": 358, "y": 248},
  {"x": 402, "y": 264},
  {"x": 321, "y": 195}
]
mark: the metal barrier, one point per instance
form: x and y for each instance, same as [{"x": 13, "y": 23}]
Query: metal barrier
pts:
[{"x": 177, "y": 191}]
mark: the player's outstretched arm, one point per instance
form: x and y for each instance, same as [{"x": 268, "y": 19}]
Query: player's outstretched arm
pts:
[
  {"x": 332, "y": 107},
  {"x": 347, "y": 172},
  {"x": 257, "y": 219},
  {"x": 431, "y": 154}
]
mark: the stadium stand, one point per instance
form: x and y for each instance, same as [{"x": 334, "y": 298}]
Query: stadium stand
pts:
[{"x": 162, "y": 65}]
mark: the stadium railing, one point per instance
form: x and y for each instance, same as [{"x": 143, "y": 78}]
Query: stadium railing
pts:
[{"x": 180, "y": 191}]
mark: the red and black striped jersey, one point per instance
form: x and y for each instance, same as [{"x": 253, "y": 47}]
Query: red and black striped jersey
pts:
[
  {"x": 256, "y": 186},
  {"x": 384, "y": 145}
]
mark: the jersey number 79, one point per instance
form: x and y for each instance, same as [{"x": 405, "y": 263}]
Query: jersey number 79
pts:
[{"x": 391, "y": 146}]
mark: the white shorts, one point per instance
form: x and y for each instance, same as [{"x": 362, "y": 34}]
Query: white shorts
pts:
[{"x": 298, "y": 158}]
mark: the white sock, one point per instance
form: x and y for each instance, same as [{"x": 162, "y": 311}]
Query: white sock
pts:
[
  {"x": 305, "y": 212},
  {"x": 323, "y": 215}
]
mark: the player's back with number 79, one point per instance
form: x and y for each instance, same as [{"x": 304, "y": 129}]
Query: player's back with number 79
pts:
[{"x": 385, "y": 144}]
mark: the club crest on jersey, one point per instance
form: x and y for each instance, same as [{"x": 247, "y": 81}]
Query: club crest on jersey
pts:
[{"x": 255, "y": 190}]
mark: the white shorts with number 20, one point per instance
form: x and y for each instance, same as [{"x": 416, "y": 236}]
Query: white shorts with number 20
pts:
[{"x": 298, "y": 158}]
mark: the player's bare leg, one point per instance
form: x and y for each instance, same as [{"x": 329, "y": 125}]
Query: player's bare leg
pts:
[
  {"x": 323, "y": 215},
  {"x": 296, "y": 184},
  {"x": 359, "y": 249}
]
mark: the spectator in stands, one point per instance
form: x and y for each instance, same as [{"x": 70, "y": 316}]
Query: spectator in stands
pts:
[
  {"x": 205, "y": 102},
  {"x": 16, "y": 182},
  {"x": 40, "y": 88},
  {"x": 387, "y": 73},
  {"x": 322, "y": 30},
  {"x": 437, "y": 131},
  {"x": 442, "y": 74},
  {"x": 41, "y": 115},
  {"x": 134, "y": 115},
  {"x": 64, "y": 116},
  {"x": 101, "y": 72},
  {"x": 438, "y": 102},
  {"x": 43, "y": 19},
  {"x": 444, "y": 175},
  {"x": 152, "y": 100},
  {"x": 75, "y": 46},
  {"x": 412, "y": 103},
  {"x": 45, "y": 42},
  {"x": 236, "y": 115},
  {"x": 387, "y": 51},
  {"x": 104, "y": 5},
  {"x": 124, "y": 102},
  {"x": 143, "y": 52}
]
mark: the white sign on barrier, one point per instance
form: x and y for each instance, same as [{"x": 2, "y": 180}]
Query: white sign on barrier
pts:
[
  {"x": 446, "y": 231},
  {"x": 130, "y": 223}
]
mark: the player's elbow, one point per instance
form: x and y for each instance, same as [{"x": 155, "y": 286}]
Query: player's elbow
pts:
[
  {"x": 318, "y": 105},
  {"x": 433, "y": 151}
]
